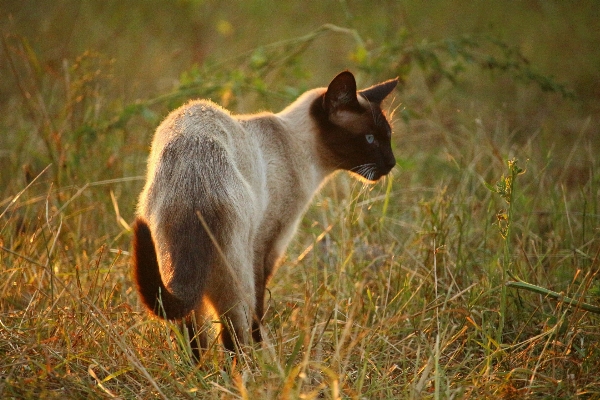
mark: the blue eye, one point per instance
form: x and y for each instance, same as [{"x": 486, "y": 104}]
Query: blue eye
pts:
[{"x": 370, "y": 138}]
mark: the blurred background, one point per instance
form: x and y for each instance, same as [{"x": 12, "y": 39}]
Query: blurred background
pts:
[{"x": 153, "y": 42}]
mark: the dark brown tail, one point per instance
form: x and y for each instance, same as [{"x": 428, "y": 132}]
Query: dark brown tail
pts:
[{"x": 149, "y": 283}]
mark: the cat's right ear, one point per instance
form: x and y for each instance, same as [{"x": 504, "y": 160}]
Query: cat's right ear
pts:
[{"x": 341, "y": 93}]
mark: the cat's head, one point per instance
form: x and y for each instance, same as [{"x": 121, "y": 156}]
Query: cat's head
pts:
[{"x": 354, "y": 133}]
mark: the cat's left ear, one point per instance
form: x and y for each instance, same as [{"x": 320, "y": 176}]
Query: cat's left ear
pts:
[
  {"x": 376, "y": 93},
  {"x": 341, "y": 93}
]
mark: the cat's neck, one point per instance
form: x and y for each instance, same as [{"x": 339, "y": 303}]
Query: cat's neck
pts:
[
  {"x": 303, "y": 130},
  {"x": 289, "y": 141}
]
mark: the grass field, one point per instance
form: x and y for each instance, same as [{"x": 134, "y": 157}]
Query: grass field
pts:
[{"x": 470, "y": 272}]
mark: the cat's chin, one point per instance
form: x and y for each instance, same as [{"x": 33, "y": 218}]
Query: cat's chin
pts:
[{"x": 370, "y": 179}]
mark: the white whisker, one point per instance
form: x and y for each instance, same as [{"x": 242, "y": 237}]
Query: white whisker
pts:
[{"x": 363, "y": 168}]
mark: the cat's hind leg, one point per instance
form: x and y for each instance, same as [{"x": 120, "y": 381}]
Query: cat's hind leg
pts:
[
  {"x": 236, "y": 318},
  {"x": 198, "y": 325},
  {"x": 232, "y": 295}
]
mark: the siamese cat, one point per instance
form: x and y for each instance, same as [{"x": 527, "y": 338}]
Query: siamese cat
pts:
[{"x": 224, "y": 194}]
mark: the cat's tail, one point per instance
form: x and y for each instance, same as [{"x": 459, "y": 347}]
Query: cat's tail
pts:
[{"x": 153, "y": 292}]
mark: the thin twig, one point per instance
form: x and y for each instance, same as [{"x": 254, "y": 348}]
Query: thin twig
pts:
[{"x": 520, "y": 284}]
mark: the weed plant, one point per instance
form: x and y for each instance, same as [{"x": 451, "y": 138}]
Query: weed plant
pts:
[{"x": 470, "y": 272}]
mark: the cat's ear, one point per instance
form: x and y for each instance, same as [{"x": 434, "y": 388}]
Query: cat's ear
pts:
[
  {"x": 341, "y": 93},
  {"x": 376, "y": 93}
]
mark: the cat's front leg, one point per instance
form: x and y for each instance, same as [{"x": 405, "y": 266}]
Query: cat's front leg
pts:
[
  {"x": 259, "y": 308},
  {"x": 262, "y": 274}
]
